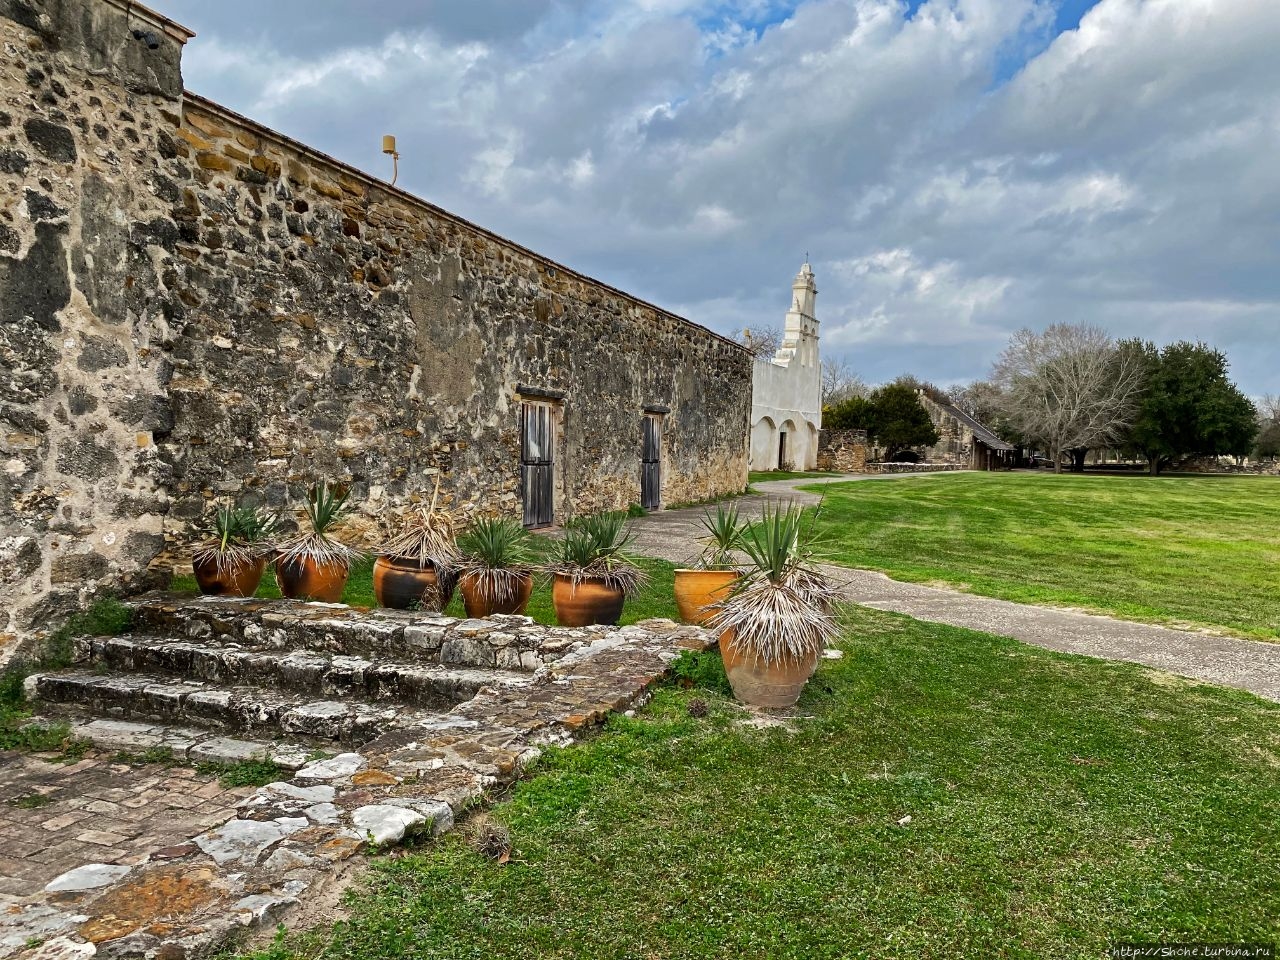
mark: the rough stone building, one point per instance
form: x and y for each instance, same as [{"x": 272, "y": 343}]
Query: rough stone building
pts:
[
  {"x": 963, "y": 441},
  {"x": 786, "y": 397},
  {"x": 843, "y": 451},
  {"x": 195, "y": 307}
]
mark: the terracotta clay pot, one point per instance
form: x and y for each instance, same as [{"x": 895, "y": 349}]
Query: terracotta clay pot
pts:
[
  {"x": 237, "y": 580},
  {"x": 760, "y": 684},
  {"x": 406, "y": 585},
  {"x": 698, "y": 589},
  {"x": 479, "y": 603},
  {"x": 591, "y": 601},
  {"x": 308, "y": 580}
]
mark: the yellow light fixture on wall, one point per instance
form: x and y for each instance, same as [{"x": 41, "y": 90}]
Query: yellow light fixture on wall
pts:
[{"x": 389, "y": 147}]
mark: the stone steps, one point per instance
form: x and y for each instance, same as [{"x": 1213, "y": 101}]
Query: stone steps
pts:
[
  {"x": 247, "y": 709},
  {"x": 499, "y": 642},
  {"x": 190, "y": 744},
  {"x": 316, "y": 674}
]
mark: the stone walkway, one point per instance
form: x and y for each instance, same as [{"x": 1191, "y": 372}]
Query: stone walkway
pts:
[
  {"x": 1246, "y": 664},
  {"x": 102, "y": 858},
  {"x": 55, "y": 817}
]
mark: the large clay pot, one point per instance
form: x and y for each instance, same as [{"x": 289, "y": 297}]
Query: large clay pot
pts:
[
  {"x": 698, "y": 589},
  {"x": 406, "y": 585},
  {"x": 308, "y": 580},
  {"x": 760, "y": 684},
  {"x": 590, "y": 601},
  {"x": 234, "y": 580},
  {"x": 479, "y": 603}
]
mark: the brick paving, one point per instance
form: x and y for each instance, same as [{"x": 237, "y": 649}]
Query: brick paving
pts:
[{"x": 55, "y": 816}]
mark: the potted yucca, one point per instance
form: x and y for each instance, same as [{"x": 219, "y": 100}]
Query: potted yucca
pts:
[
  {"x": 592, "y": 572},
  {"x": 496, "y": 572},
  {"x": 313, "y": 564},
  {"x": 231, "y": 561},
  {"x": 715, "y": 571},
  {"x": 776, "y": 622},
  {"x": 417, "y": 566}
]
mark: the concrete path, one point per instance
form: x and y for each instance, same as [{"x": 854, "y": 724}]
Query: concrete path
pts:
[{"x": 1247, "y": 664}]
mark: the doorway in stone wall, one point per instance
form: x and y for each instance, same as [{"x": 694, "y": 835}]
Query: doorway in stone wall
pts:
[
  {"x": 537, "y": 463},
  {"x": 651, "y": 462},
  {"x": 782, "y": 450}
]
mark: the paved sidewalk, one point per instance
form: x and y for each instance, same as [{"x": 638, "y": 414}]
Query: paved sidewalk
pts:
[{"x": 1247, "y": 664}]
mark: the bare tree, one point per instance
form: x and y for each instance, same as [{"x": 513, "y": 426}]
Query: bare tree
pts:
[
  {"x": 761, "y": 340},
  {"x": 1268, "y": 443},
  {"x": 1268, "y": 407},
  {"x": 1069, "y": 388},
  {"x": 839, "y": 382}
]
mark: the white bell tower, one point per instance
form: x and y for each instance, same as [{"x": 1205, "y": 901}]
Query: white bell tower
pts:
[{"x": 786, "y": 398}]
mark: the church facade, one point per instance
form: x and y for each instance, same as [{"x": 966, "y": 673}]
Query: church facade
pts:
[{"x": 786, "y": 394}]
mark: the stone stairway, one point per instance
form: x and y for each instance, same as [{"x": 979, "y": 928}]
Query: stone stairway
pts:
[
  {"x": 255, "y": 674},
  {"x": 388, "y": 722}
]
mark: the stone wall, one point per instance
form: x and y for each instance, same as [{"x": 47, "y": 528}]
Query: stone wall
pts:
[
  {"x": 843, "y": 450},
  {"x": 83, "y": 308},
  {"x": 193, "y": 307}
]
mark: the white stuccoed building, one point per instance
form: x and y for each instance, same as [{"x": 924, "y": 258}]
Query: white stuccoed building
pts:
[{"x": 786, "y": 399}]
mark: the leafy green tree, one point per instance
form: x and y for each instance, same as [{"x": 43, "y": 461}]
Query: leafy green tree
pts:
[
  {"x": 898, "y": 419},
  {"x": 1189, "y": 407},
  {"x": 1269, "y": 441},
  {"x": 851, "y": 413}
]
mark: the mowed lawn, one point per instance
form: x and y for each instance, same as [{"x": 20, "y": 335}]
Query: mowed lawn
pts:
[
  {"x": 944, "y": 794},
  {"x": 1199, "y": 551}
]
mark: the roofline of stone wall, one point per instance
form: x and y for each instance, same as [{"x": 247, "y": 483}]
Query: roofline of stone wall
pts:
[
  {"x": 171, "y": 27},
  {"x": 311, "y": 152}
]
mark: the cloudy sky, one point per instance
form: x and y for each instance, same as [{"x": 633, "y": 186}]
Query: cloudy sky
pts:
[{"x": 955, "y": 169}]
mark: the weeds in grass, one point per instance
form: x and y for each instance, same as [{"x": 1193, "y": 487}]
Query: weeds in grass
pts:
[
  {"x": 105, "y": 617},
  {"x": 32, "y": 801},
  {"x": 152, "y": 756},
  {"x": 18, "y": 732},
  {"x": 244, "y": 773},
  {"x": 701, "y": 670}
]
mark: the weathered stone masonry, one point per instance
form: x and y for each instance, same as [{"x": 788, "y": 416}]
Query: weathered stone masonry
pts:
[{"x": 193, "y": 306}]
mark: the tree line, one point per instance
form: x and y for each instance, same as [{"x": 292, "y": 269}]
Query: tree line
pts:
[
  {"x": 1073, "y": 388},
  {"x": 1067, "y": 390}
]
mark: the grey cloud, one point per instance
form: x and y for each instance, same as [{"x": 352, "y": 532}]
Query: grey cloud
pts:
[{"x": 1124, "y": 176}]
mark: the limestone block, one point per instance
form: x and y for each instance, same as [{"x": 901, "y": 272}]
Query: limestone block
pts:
[{"x": 89, "y": 877}]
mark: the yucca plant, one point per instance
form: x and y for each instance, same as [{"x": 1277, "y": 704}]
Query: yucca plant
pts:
[
  {"x": 722, "y": 539},
  {"x": 239, "y": 536},
  {"x": 779, "y": 609},
  {"x": 597, "y": 547},
  {"x": 323, "y": 510},
  {"x": 497, "y": 553},
  {"x": 426, "y": 537}
]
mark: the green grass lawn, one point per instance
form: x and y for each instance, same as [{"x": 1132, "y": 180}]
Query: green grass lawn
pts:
[
  {"x": 755, "y": 476},
  {"x": 1056, "y": 804},
  {"x": 1203, "y": 551},
  {"x": 655, "y": 600}
]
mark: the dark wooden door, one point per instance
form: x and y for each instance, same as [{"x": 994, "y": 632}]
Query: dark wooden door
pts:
[
  {"x": 782, "y": 451},
  {"x": 537, "y": 464},
  {"x": 651, "y": 464}
]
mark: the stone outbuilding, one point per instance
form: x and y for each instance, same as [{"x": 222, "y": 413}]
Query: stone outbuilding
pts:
[
  {"x": 962, "y": 440},
  {"x": 786, "y": 395},
  {"x": 195, "y": 308}
]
